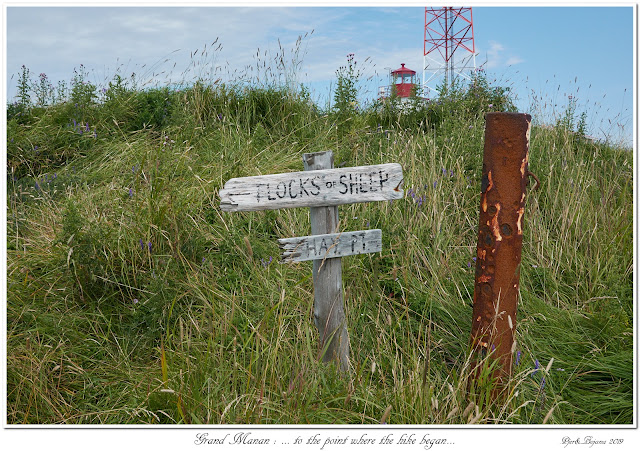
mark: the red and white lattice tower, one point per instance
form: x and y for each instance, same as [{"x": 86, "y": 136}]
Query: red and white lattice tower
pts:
[{"x": 448, "y": 32}]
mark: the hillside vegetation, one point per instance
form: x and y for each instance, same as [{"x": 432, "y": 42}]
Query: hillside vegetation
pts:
[{"x": 132, "y": 298}]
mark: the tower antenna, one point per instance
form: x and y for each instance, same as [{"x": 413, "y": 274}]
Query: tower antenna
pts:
[{"x": 447, "y": 30}]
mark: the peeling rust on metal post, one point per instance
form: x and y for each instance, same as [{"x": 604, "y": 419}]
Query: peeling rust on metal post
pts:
[{"x": 504, "y": 180}]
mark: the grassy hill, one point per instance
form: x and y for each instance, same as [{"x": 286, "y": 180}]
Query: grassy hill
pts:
[{"x": 132, "y": 298}]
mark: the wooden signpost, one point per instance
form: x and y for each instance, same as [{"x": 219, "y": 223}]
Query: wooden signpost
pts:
[{"x": 322, "y": 188}]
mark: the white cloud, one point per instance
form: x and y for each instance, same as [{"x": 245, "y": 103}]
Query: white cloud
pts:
[
  {"x": 498, "y": 56},
  {"x": 513, "y": 60}
]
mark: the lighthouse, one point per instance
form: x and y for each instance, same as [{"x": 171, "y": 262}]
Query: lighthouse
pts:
[{"x": 402, "y": 84}]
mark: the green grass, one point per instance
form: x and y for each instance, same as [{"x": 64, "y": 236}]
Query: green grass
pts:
[{"x": 132, "y": 298}]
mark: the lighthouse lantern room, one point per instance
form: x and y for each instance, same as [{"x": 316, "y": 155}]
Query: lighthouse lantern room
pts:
[{"x": 402, "y": 84}]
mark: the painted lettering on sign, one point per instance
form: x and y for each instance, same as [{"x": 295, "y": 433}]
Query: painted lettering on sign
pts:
[
  {"x": 313, "y": 188},
  {"x": 332, "y": 245}
]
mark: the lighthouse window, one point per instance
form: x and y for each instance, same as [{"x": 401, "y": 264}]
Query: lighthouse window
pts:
[{"x": 407, "y": 78}]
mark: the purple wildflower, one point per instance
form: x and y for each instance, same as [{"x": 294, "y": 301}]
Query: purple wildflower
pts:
[
  {"x": 141, "y": 244},
  {"x": 149, "y": 244},
  {"x": 435, "y": 183},
  {"x": 130, "y": 192},
  {"x": 135, "y": 301},
  {"x": 518, "y": 354},
  {"x": 537, "y": 367}
]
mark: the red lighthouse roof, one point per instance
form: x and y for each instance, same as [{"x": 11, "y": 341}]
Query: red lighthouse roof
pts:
[{"x": 403, "y": 70}]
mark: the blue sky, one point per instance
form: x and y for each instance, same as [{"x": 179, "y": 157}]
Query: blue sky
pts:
[{"x": 554, "y": 52}]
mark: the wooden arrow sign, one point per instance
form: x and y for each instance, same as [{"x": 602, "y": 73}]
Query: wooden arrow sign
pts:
[
  {"x": 331, "y": 245},
  {"x": 322, "y": 188},
  {"x": 318, "y": 188}
]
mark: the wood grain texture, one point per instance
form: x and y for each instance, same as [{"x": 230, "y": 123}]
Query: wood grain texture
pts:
[
  {"x": 328, "y": 306},
  {"x": 313, "y": 188},
  {"x": 331, "y": 245}
]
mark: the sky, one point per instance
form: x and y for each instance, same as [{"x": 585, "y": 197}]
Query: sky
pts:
[{"x": 544, "y": 54}]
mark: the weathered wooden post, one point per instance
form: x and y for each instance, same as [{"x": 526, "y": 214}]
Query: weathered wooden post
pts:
[
  {"x": 504, "y": 181},
  {"x": 328, "y": 305},
  {"x": 322, "y": 188}
]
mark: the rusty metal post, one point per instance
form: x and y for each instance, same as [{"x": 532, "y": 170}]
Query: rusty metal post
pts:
[{"x": 504, "y": 180}]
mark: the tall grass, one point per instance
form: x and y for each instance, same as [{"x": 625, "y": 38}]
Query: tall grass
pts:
[{"x": 132, "y": 298}]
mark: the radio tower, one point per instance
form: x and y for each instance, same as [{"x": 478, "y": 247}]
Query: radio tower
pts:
[{"x": 447, "y": 30}]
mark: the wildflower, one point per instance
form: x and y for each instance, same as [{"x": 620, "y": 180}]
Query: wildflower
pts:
[
  {"x": 141, "y": 244},
  {"x": 203, "y": 260},
  {"x": 491, "y": 105},
  {"x": 133, "y": 169},
  {"x": 542, "y": 383},
  {"x": 420, "y": 201},
  {"x": 149, "y": 244},
  {"x": 87, "y": 128},
  {"x": 468, "y": 264},
  {"x": 135, "y": 301},
  {"x": 451, "y": 175},
  {"x": 518, "y": 357},
  {"x": 537, "y": 367},
  {"x": 435, "y": 183},
  {"x": 444, "y": 171},
  {"x": 130, "y": 192}
]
